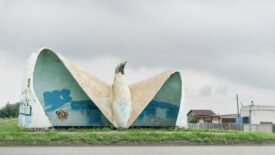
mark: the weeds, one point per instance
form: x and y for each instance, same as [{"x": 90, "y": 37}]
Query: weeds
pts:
[{"x": 11, "y": 134}]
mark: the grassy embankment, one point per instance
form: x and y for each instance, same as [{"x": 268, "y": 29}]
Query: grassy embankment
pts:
[{"x": 10, "y": 134}]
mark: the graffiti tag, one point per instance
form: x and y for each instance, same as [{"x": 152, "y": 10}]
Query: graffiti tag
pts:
[{"x": 62, "y": 115}]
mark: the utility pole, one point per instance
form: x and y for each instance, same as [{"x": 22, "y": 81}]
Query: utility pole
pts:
[
  {"x": 237, "y": 98},
  {"x": 250, "y": 106}
]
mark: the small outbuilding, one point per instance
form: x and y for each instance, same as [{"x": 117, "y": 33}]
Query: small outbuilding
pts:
[
  {"x": 204, "y": 116},
  {"x": 258, "y": 114},
  {"x": 208, "y": 116},
  {"x": 229, "y": 118},
  {"x": 258, "y": 118}
]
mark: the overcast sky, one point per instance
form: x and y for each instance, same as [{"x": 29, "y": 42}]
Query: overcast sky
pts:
[{"x": 222, "y": 47}]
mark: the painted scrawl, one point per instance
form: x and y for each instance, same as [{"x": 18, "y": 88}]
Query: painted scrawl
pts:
[{"x": 56, "y": 92}]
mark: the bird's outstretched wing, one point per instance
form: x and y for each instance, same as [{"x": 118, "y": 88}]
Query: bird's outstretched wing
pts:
[
  {"x": 66, "y": 89},
  {"x": 157, "y": 100},
  {"x": 97, "y": 90}
]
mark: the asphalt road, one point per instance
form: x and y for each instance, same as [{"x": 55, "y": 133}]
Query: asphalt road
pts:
[{"x": 141, "y": 150}]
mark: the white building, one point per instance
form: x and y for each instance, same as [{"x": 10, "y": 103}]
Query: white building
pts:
[
  {"x": 258, "y": 118},
  {"x": 258, "y": 114}
]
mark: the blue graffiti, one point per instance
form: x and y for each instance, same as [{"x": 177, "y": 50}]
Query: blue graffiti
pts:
[
  {"x": 83, "y": 105},
  {"x": 94, "y": 115},
  {"x": 56, "y": 99},
  {"x": 123, "y": 108},
  {"x": 96, "y": 118},
  {"x": 150, "y": 110}
]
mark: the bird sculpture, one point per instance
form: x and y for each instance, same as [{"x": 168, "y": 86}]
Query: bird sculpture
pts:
[{"x": 56, "y": 92}]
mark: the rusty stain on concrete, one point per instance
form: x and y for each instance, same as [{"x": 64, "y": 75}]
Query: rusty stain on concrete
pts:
[{"x": 62, "y": 115}]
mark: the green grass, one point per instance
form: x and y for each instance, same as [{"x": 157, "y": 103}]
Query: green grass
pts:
[
  {"x": 10, "y": 125},
  {"x": 10, "y": 134},
  {"x": 170, "y": 129},
  {"x": 54, "y": 137}
]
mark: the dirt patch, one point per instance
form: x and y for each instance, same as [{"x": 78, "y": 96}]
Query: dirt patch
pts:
[{"x": 137, "y": 143}]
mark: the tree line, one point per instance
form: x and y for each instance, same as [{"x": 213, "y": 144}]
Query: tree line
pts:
[{"x": 10, "y": 110}]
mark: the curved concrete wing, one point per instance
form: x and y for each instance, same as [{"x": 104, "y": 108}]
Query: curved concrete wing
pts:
[
  {"x": 57, "y": 93},
  {"x": 158, "y": 101}
]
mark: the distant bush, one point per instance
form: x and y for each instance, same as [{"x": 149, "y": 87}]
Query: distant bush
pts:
[
  {"x": 10, "y": 110},
  {"x": 192, "y": 119}
]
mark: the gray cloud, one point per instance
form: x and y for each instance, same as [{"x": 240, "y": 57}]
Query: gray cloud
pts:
[
  {"x": 231, "y": 40},
  {"x": 222, "y": 90},
  {"x": 205, "y": 91}
]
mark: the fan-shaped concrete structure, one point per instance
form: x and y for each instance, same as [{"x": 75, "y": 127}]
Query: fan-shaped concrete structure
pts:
[{"x": 55, "y": 92}]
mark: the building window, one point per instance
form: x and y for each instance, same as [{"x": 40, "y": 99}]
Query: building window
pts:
[
  {"x": 246, "y": 120},
  {"x": 208, "y": 120}
]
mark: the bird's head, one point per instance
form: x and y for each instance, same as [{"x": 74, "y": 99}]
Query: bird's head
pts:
[{"x": 120, "y": 67}]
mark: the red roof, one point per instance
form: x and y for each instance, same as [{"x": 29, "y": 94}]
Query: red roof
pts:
[{"x": 202, "y": 112}]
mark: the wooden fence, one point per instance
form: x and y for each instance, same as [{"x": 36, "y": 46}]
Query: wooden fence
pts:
[{"x": 222, "y": 126}]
